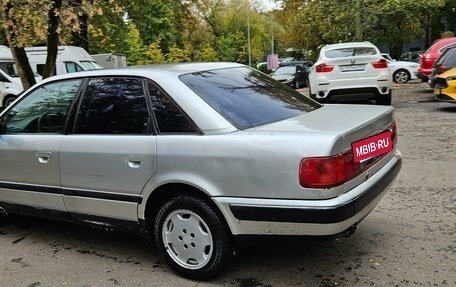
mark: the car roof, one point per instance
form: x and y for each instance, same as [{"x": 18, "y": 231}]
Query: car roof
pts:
[{"x": 175, "y": 69}]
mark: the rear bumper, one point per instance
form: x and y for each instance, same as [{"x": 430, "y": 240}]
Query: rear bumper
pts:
[
  {"x": 309, "y": 217},
  {"x": 424, "y": 76},
  {"x": 323, "y": 89}
]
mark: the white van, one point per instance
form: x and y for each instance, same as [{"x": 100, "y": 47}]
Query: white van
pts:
[
  {"x": 69, "y": 59},
  {"x": 10, "y": 83}
]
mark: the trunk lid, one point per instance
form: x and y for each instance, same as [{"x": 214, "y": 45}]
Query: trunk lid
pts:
[{"x": 349, "y": 123}]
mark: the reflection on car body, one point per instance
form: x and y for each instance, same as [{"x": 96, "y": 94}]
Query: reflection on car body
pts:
[{"x": 193, "y": 155}]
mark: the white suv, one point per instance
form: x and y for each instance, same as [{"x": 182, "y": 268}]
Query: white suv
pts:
[{"x": 350, "y": 71}]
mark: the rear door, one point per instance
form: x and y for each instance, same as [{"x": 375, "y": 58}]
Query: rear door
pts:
[
  {"x": 31, "y": 135},
  {"x": 111, "y": 153}
]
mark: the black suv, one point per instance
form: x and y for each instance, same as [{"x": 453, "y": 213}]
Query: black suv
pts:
[{"x": 445, "y": 62}]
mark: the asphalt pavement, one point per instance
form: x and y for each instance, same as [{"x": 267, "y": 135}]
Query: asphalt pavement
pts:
[{"x": 408, "y": 240}]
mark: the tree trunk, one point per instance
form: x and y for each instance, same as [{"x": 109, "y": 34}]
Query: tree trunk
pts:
[
  {"x": 80, "y": 38},
  {"x": 52, "y": 40},
  {"x": 427, "y": 31},
  {"x": 20, "y": 57}
]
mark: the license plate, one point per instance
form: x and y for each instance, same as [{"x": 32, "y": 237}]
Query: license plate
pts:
[
  {"x": 352, "y": 68},
  {"x": 372, "y": 147}
]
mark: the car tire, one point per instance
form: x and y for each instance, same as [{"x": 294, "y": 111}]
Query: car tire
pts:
[
  {"x": 193, "y": 238},
  {"x": 401, "y": 76},
  {"x": 8, "y": 100},
  {"x": 384, "y": 100}
]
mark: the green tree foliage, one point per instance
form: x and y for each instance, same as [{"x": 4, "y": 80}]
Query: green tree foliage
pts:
[
  {"x": 135, "y": 52},
  {"x": 178, "y": 55},
  {"x": 108, "y": 30},
  {"x": 207, "y": 54},
  {"x": 313, "y": 23},
  {"x": 154, "y": 53},
  {"x": 156, "y": 19}
]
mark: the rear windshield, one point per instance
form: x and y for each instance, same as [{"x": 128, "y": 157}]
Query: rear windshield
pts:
[
  {"x": 248, "y": 98},
  {"x": 350, "y": 52}
]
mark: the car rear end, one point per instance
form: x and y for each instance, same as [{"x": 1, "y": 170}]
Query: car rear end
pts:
[
  {"x": 445, "y": 62},
  {"x": 445, "y": 87},
  {"x": 350, "y": 71},
  {"x": 328, "y": 177},
  {"x": 293, "y": 167},
  {"x": 431, "y": 55}
]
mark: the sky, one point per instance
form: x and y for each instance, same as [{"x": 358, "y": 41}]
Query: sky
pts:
[{"x": 267, "y": 5}]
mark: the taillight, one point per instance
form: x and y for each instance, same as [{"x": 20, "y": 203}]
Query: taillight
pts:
[
  {"x": 380, "y": 64},
  {"x": 322, "y": 172},
  {"x": 324, "y": 68},
  {"x": 327, "y": 172},
  {"x": 393, "y": 129}
]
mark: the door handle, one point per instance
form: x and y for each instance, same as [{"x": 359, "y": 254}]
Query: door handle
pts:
[
  {"x": 134, "y": 161},
  {"x": 43, "y": 157}
]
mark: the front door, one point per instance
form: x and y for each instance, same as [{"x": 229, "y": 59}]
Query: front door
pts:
[{"x": 31, "y": 134}]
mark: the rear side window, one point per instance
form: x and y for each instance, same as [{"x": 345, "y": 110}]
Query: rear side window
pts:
[
  {"x": 350, "y": 52},
  {"x": 450, "y": 60},
  {"x": 246, "y": 97},
  {"x": 113, "y": 106},
  {"x": 170, "y": 119}
]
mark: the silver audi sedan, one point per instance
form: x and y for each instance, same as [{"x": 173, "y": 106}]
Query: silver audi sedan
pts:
[{"x": 195, "y": 156}]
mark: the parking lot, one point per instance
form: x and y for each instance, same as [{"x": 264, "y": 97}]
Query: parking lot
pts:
[{"x": 408, "y": 240}]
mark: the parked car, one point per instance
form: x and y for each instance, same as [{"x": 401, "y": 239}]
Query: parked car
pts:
[
  {"x": 402, "y": 71},
  {"x": 445, "y": 86},
  {"x": 414, "y": 56},
  {"x": 195, "y": 156},
  {"x": 431, "y": 55},
  {"x": 445, "y": 62},
  {"x": 295, "y": 75},
  {"x": 388, "y": 57},
  {"x": 10, "y": 83},
  {"x": 350, "y": 71}
]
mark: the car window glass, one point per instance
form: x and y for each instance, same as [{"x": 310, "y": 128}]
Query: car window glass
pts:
[
  {"x": 285, "y": 70},
  {"x": 72, "y": 67},
  {"x": 113, "y": 106},
  {"x": 350, "y": 52},
  {"x": 248, "y": 98},
  {"x": 170, "y": 119},
  {"x": 9, "y": 68},
  {"x": 450, "y": 59},
  {"x": 42, "y": 111}
]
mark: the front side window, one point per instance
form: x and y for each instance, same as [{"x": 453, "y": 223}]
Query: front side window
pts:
[
  {"x": 9, "y": 68},
  {"x": 113, "y": 106},
  {"x": 72, "y": 67},
  {"x": 90, "y": 65},
  {"x": 42, "y": 111}
]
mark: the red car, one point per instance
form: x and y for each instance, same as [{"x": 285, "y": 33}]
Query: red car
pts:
[{"x": 431, "y": 55}]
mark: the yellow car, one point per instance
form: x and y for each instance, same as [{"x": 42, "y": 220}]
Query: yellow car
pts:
[{"x": 445, "y": 86}]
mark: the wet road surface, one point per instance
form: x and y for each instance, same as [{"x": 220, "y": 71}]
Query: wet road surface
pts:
[{"x": 408, "y": 240}]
